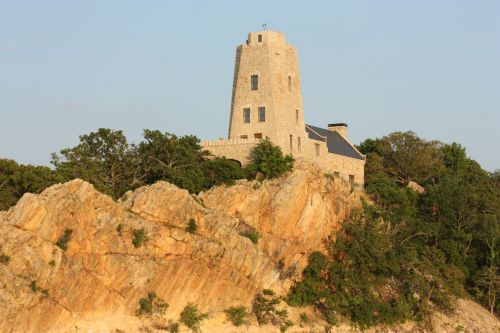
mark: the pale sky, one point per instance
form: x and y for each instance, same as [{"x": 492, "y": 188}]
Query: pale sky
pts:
[{"x": 68, "y": 68}]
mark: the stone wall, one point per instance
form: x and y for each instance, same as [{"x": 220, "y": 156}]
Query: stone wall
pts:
[
  {"x": 239, "y": 149},
  {"x": 332, "y": 163},
  {"x": 234, "y": 149}
]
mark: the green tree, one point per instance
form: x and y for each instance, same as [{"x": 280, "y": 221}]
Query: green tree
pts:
[
  {"x": 267, "y": 158},
  {"x": 17, "y": 179},
  {"x": 402, "y": 155},
  {"x": 181, "y": 161},
  {"x": 165, "y": 156},
  {"x": 105, "y": 159}
]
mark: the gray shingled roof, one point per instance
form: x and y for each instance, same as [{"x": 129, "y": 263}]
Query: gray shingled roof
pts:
[{"x": 334, "y": 141}]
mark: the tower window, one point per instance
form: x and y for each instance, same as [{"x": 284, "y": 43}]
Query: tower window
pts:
[
  {"x": 299, "y": 148},
  {"x": 246, "y": 115},
  {"x": 259, "y": 38},
  {"x": 316, "y": 146},
  {"x": 289, "y": 83},
  {"x": 255, "y": 82},
  {"x": 262, "y": 114},
  {"x": 291, "y": 142},
  {"x": 243, "y": 136},
  {"x": 297, "y": 116},
  {"x": 257, "y": 135}
]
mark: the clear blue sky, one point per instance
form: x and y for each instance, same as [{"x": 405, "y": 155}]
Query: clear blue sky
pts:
[{"x": 70, "y": 67}]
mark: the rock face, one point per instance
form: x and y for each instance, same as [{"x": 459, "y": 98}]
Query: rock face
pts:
[
  {"x": 102, "y": 274},
  {"x": 415, "y": 187},
  {"x": 96, "y": 283}
]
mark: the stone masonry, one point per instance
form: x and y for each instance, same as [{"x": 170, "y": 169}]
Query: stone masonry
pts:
[{"x": 267, "y": 102}]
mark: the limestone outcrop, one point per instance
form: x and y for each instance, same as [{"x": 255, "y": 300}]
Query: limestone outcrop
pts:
[
  {"x": 95, "y": 283},
  {"x": 102, "y": 274}
]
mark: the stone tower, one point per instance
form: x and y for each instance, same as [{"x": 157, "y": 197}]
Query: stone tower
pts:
[
  {"x": 267, "y": 97},
  {"x": 267, "y": 102}
]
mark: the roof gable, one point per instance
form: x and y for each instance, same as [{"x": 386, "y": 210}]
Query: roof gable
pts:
[{"x": 334, "y": 141}]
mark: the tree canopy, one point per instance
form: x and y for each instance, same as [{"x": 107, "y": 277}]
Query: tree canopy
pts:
[
  {"x": 267, "y": 159},
  {"x": 106, "y": 159},
  {"x": 407, "y": 250},
  {"x": 17, "y": 179}
]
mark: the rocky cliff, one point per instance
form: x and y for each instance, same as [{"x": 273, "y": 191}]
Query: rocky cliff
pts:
[{"x": 95, "y": 283}]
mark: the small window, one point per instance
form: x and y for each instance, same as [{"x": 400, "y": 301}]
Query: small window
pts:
[
  {"x": 291, "y": 142},
  {"x": 297, "y": 116},
  {"x": 299, "y": 148},
  {"x": 336, "y": 174},
  {"x": 246, "y": 115},
  {"x": 257, "y": 135},
  {"x": 262, "y": 114},
  {"x": 289, "y": 83},
  {"x": 316, "y": 146},
  {"x": 255, "y": 82},
  {"x": 351, "y": 180},
  {"x": 259, "y": 38},
  {"x": 243, "y": 136}
]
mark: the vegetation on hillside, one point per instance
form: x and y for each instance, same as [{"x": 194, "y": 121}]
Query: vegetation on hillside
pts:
[
  {"x": 17, "y": 179},
  {"x": 401, "y": 255},
  {"x": 113, "y": 165},
  {"x": 268, "y": 160},
  {"x": 408, "y": 252},
  {"x": 151, "y": 304},
  {"x": 192, "y": 317}
]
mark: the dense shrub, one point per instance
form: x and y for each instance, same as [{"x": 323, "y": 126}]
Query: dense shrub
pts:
[
  {"x": 265, "y": 309},
  {"x": 62, "y": 242},
  {"x": 192, "y": 226},
  {"x": 219, "y": 170},
  {"x": 35, "y": 289},
  {"x": 192, "y": 317},
  {"x": 4, "y": 259},
  {"x": 237, "y": 315},
  {"x": 268, "y": 160},
  {"x": 151, "y": 304},
  {"x": 139, "y": 237},
  {"x": 252, "y": 235},
  {"x": 33, "y": 286},
  {"x": 172, "y": 327}
]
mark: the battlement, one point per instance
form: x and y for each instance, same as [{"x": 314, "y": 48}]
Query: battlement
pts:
[
  {"x": 225, "y": 142},
  {"x": 266, "y": 37}
]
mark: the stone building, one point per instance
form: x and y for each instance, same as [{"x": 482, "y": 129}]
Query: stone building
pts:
[{"x": 267, "y": 102}]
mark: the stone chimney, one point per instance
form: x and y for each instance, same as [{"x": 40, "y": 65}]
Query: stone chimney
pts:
[{"x": 340, "y": 128}]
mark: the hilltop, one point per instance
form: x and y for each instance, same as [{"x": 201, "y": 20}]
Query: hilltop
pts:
[{"x": 97, "y": 278}]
